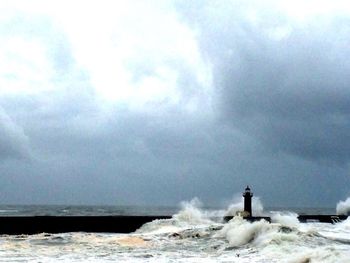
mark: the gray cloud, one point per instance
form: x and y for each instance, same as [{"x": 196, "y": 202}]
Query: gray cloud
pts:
[
  {"x": 284, "y": 83},
  {"x": 13, "y": 142},
  {"x": 280, "y": 102},
  {"x": 83, "y": 157}
]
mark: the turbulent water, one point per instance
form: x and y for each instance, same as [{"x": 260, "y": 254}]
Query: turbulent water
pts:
[{"x": 191, "y": 235}]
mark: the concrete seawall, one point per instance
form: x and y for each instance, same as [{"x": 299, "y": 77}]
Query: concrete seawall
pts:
[
  {"x": 15, "y": 225},
  {"x": 302, "y": 218},
  {"x": 322, "y": 218}
]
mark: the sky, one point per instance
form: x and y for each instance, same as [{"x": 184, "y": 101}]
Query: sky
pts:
[{"x": 156, "y": 102}]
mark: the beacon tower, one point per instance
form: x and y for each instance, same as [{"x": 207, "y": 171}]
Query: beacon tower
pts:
[{"x": 247, "y": 195}]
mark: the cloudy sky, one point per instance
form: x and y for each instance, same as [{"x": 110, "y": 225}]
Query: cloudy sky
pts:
[{"x": 155, "y": 102}]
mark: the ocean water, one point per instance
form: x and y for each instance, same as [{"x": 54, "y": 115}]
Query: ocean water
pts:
[{"x": 193, "y": 234}]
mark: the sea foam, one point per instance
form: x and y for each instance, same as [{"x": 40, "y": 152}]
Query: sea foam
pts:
[{"x": 289, "y": 219}]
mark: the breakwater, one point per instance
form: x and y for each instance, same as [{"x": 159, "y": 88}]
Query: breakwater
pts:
[
  {"x": 16, "y": 225},
  {"x": 302, "y": 218}
]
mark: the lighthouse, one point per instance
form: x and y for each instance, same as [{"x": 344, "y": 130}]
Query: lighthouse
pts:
[{"x": 247, "y": 195}]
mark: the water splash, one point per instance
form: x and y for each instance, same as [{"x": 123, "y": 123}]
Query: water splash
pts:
[
  {"x": 343, "y": 207},
  {"x": 192, "y": 213},
  {"x": 240, "y": 232},
  {"x": 288, "y": 219}
]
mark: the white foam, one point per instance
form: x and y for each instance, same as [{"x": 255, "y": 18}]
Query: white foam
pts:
[
  {"x": 289, "y": 219},
  {"x": 325, "y": 255},
  {"x": 238, "y": 241},
  {"x": 240, "y": 232},
  {"x": 343, "y": 207},
  {"x": 345, "y": 224},
  {"x": 159, "y": 226},
  {"x": 192, "y": 214}
]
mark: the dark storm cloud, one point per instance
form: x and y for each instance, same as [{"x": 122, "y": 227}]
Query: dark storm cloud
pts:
[
  {"x": 84, "y": 157},
  {"x": 285, "y": 83}
]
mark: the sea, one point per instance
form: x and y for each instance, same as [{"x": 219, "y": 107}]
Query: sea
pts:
[{"x": 194, "y": 233}]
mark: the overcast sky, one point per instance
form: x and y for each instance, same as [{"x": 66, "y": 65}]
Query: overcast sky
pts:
[{"x": 156, "y": 102}]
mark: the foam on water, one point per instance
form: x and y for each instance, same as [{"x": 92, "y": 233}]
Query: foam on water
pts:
[
  {"x": 285, "y": 218},
  {"x": 345, "y": 224},
  {"x": 193, "y": 235},
  {"x": 240, "y": 232}
]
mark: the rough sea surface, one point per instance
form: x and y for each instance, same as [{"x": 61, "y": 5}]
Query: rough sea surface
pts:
[{"x": 192, "y": 235}]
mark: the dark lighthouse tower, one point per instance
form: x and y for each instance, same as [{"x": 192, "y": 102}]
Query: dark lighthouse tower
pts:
[{"x": 248, "y": 200}]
